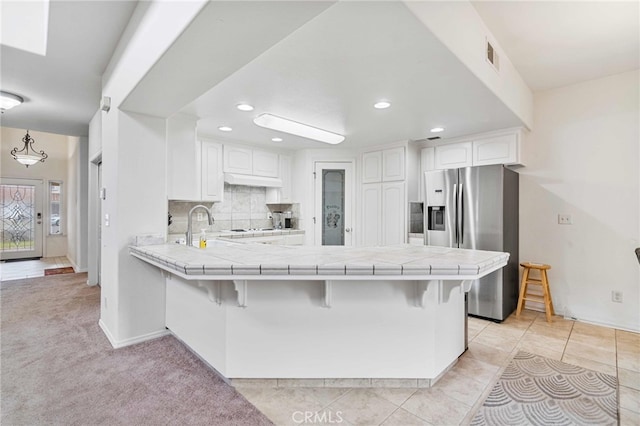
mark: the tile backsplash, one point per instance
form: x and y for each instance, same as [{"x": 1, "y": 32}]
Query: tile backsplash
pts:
[{"x": 243, "y": 207}]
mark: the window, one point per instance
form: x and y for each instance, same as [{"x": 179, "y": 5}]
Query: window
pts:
[{"x": 55, "y": 208}]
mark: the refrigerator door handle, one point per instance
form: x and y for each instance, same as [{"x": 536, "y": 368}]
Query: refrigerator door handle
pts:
[
  {"x": 461, "y": 215},
  {"x": 455, "y": 218}
]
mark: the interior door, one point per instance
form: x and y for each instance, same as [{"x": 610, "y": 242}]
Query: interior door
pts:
[
  {"x": 21, "y": 202},
  {"x": 334, "y": 208}
]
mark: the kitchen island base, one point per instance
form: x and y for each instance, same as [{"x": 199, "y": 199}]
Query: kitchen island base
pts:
[{"x": 374, "y": 330}]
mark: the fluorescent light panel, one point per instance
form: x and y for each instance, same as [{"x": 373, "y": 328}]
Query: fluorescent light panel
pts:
[{"x": 292, "y": 127}]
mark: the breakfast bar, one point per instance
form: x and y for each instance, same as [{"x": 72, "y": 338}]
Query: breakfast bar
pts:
[{"x": 332, "y": 312}]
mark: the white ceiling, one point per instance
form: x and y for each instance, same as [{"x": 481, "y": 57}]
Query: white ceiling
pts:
[
  {"x": 325, "y": 65},
  {"x": 557, "y": 43},
  {"x": 62, "y": 89}
]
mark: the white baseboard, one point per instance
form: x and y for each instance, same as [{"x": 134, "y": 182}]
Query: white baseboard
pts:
[{"x": 132, "y": 340}]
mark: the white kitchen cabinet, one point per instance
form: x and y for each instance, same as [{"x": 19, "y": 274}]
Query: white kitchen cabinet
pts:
[
  {"x": 284, "y": 194},
  {"x": 383, "y": 213},
  {"x": 502, "y": 149},
  {"x": 194, "y": 168},
  {"x": 372, "y": 167},
  {"x": 238, "y": 160},
  {"x": 427, "y": 164},
  {"x": 453, "y": 156},
  {"x": 393, "y": 213},
  {"x": 371, "y": 229},
  {"x": 265, "y": 163},
  {"x": 247, "y": 161},
  {"x": 393, "y": 164},
  {"x": 212, "y": 177}
]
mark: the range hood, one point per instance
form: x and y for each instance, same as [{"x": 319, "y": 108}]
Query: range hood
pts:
[{"x": 250, "y": 180}]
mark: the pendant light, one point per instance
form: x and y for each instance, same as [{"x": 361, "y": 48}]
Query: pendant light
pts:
[{"x": 28, "y": 155}]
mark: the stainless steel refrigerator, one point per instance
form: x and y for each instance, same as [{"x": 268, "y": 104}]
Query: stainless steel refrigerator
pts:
[{"x": 477, "y": 208}]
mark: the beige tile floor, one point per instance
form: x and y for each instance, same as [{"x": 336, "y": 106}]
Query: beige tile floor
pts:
[
  {"x": 457, "y": 396},
  {"x": 30, "y": 268}
]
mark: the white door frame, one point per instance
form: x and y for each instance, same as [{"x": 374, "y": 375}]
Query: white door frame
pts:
[
  {"x": 38, "y": 220},
  {"x": 94, "y": 221},
  {"x": 349, "y": 198}
]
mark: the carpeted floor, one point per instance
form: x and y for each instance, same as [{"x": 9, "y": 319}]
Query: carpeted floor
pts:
[
  {"x": 534, "y": 390},
  {"x": 58, "y": 367}
]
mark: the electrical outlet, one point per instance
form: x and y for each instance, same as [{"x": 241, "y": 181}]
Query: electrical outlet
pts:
[
  {"x": 199, "y": 216},
  {"x": 564, "y": 219},
  {"x": 616, "y": 296}
]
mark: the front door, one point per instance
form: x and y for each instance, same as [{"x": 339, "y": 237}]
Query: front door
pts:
[
  {"x": 21, "y": 221},
  {"x": 334, "y": 203}
]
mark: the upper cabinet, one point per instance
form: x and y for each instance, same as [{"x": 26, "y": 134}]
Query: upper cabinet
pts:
[
  {"x": 372, "y": 167},
  {"x": 238, "y": 160},
  {"x": 393, "y": 164},
  {"x": 247, "y": 161},
  {"x": 212, "y": 178},
  {"x": 383, "y": 166},
  {"x": 454, "y": 156},
  {"x": 282, "y": 195},
  {"x": 194, "y": 168},
  {"x": 503, "y": 149},
  {"x": 495, "y": 148},
  {"x": 265, "y": 163}
]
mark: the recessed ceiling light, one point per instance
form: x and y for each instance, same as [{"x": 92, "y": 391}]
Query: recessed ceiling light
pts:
[
  {"x": 276, "y": 139},
  {"x": 382, "y": 105},
  {"x": 225, "y": 128},
  {"x": 244, "y": 107},
  {"x": 437, "y": 130},
  {"x": 292, "y": 127}
]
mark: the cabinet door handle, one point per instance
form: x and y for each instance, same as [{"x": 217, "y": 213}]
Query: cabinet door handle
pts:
[{"x": 347, "y": 229}]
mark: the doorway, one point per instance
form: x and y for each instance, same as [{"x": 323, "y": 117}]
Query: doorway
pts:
[
  {"x": 334, "y": 203},
  {"x": 21, "y": 202}
]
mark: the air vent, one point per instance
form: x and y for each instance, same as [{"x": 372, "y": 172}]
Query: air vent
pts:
[
  {"x": 492, "y": 56},
  {"x": 435, "y": 138}
]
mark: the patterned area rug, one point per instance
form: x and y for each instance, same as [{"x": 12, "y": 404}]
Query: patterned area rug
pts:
[
  {"x": 534, "y": 390},
  {"x": 57, "y": 271}
]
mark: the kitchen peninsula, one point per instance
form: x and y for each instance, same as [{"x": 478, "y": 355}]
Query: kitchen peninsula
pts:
[{"x": 306, "y": 312}]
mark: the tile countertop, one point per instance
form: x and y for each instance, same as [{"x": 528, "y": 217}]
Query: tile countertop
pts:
[{"x": 228, "y": 260}]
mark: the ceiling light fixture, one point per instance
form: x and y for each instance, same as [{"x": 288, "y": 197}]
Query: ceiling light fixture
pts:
[
  {"x": 9, "y": 100},
  {"x": 437, "y": 130},
  {"x": 276, "y": 139},
  {"x": 294, "y": 128},
  {"x": 244, "y": 107},
  {"x": 28, "y": 159},
  {"x": 225, "y": 128},
  {"x": 382, "y": 105}
]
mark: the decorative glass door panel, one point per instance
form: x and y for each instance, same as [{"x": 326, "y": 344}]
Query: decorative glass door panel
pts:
[
  {"x": 21, "y": 218},
  {"x": 334, "y": 204},
  {"x": 333, "y": 207}
]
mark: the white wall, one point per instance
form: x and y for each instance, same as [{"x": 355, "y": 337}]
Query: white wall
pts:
[
  {"x": 77, "y": 203},
  {"x": 582, "y": 159},
  {"x": 54, "y": 168},
  {"x": 458, "y": 26},
  {"x": 134, "y": 168}
]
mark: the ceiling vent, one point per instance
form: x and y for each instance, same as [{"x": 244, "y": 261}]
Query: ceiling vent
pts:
[
  {"x": 492, "y": 56},
  {"x": 435, "y": 138}
]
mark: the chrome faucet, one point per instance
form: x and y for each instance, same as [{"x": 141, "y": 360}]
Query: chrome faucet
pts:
[{"x": 189, "y": 232}]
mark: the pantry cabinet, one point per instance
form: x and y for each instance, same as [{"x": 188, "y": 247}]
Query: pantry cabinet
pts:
[
  {"x": 383, "y": 206},
  {"x": 386, "y": 165}
]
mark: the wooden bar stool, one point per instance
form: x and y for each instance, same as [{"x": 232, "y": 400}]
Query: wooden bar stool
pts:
[{"x": 543, "y": 281}]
